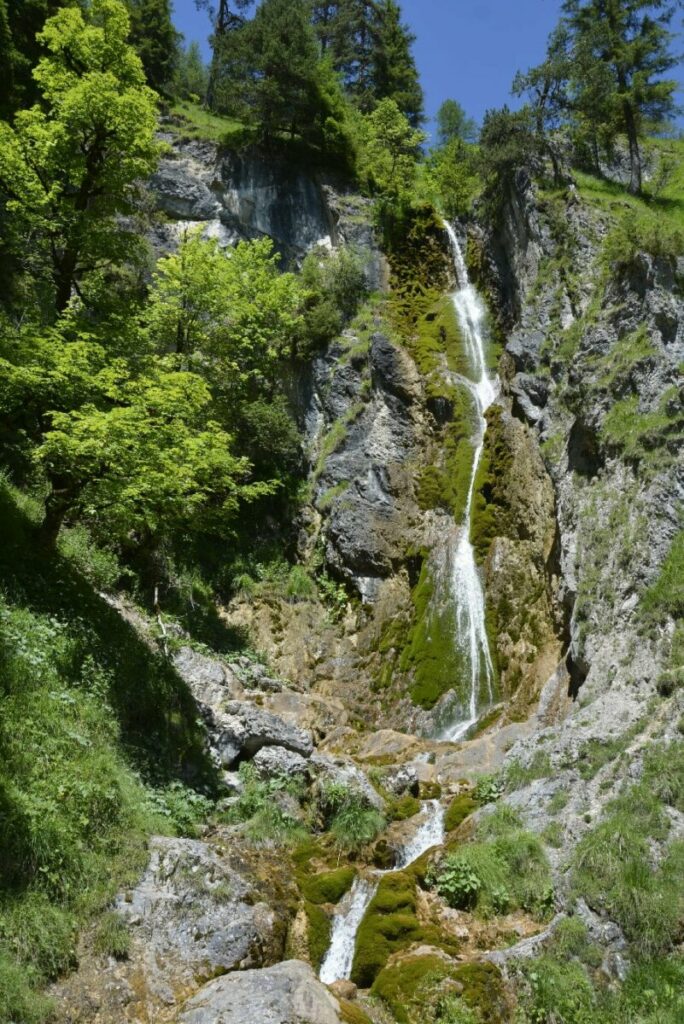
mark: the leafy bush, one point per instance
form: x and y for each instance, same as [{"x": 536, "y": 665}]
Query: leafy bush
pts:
[
  {"x": 555, "y": 991},
  {"x": 337, "y": 285},
  {"x": 458, "y": 883},
  {"x": 488, "y": 789},
  {"x": 19, "y": 1000}
]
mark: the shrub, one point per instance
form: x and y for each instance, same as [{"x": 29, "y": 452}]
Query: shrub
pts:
[
  {"x": 19, "y": 1000},
  {"x": 458, "y": 883},
  {"x": 638, "y": 232},
  {"x": 352, "y": 821},
  {"x": 488, "y": 789},
  {"x": 257, "y": 808},
  {"x": 554, "y": 991}
]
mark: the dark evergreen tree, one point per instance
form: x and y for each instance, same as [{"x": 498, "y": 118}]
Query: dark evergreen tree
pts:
[
  {"x": 394, "y": 72},
  {"x": 630, "y": 39},
  {"x": 23, "y": 20},
  {"x": 155, "y": 39},
  {"x": 227, "y": 16}
]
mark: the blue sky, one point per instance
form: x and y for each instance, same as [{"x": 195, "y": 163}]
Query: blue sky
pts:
[{"x": 465, "y": 49}]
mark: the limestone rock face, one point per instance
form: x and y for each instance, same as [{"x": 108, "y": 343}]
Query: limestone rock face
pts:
[
  {"x": 195, "y": 916},
  {"x": 242, "y": 729},
  {"x": 288, "y": 993},
  {"x": 275, "y": 762}
]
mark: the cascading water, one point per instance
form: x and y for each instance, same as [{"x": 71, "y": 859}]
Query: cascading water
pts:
[
  {"x": 465, "y": 583},
  {"x": 338, "y": 960}
]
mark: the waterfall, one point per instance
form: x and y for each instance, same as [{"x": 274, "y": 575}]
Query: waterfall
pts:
[
  {"x": 338, "y": 960},
  {"x": 465, "y": 584}
]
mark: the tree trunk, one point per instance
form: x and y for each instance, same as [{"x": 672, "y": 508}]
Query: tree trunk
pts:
[
  {"x": 55, "y": 511},
  {"x": 635, "y": 179}
]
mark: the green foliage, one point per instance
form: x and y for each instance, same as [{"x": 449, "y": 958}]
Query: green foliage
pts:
[
  {"x": 112, "y": 937},
  {"x": 507, "y": 143},
  {"x": 70, "y": 168},
  {"x": 336, "y": 285},
  {"x": 454, "y": 123},
  {"x": 488, "y": 789},
  {"x": 638, "y": 232},
  {"x": 155, "y": 40},
  {"x": 189, "y": 120},
  {"x": 390, "y": 150},
  {"x": 258, "y": 809},
  {"x": 503, "y": 868},
  {"x": 191, "y": 75},
  {"x": 450, "y": 178},
  {"x": 613, "y": 871},
  {"x": 665, "y": 597},
  {"x": 664, "y": 772},
  {"x": 555, "y": 991},
  {"x": 20, "y": 1002},
  {"x": 352, "y": 821}
]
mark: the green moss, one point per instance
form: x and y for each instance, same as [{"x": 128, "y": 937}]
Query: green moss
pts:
[
  {"x": 353, "y": 1014},
  {"x": 490, "y": 503},
  {"x": 459, "y": 809},
  {"x": 414, "y": 988},
  {"x": 389, "y": 925},
  {"x": 328, "y": 497},
  {"x": 403, "y": 808},
  {"x": 319, "y": 929},
  {"x": 327, "y": 887}
]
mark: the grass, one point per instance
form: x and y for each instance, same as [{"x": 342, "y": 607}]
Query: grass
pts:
[
  {"x": 192, "y": 121},
  {"x": 614, "y": 871},
  {"x": 257, "y": 808},
  {"x": 503, "y": 868},
  {"x": 353, "y": 823},
  {"x": 112, "y": 937}
]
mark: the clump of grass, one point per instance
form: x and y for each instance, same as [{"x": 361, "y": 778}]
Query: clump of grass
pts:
[
  {"x": 257, "y": 808},
  {"x": 517, "y": 774},
  {"x": 614, "y": 873},
  {"x": 504, "y": 868},
  {"x": 113, "y": 937},
  {"x": 351, "y": 820}
]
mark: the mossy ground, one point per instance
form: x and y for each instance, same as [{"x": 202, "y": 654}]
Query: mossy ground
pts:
[
  {"x": 413, "y": 988},
  {"x": 458, "y": 810},
  {"x": 390, "y": 925}
]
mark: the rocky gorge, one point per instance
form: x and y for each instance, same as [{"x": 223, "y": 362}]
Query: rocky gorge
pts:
[{"x": 576, "y": 513}]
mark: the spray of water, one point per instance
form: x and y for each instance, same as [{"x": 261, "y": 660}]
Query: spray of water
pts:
[
  {"x": 465, "y": 583},
  {"x": 338, "y": 961}
]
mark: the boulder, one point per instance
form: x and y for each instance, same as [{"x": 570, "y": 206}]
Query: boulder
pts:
[
  {"x": 344, "y": 772},
  {"x": 209, "y": 680},
  {"x": 403, "y": 779},
  {"x": 274, "y": 762},
  {"x": 288, "y": 993},
  {"x": 245, "y": 728},
  {"x": 192, "y": 916}
]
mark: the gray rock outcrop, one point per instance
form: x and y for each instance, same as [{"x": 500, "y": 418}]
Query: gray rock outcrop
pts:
[{"x": 288, "y": 993}]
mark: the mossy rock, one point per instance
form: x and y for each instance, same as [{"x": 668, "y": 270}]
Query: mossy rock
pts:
[
  {"x": 459, "y": 809},
  {"x": 319, "y": 929},
  {"x": 404, "y": 808},
  {"x": 328, "y": 886},
  {"x": 491, "y": 512},
  {"x": 430, "y": 791},
  {"x": 353, "y": 1014},
  {"x": 391, "y": 925},
  {"x": 412, "y": 988}
]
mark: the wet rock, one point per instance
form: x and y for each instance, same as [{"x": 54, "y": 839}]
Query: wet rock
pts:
[
  {"x": 344, "y": 990},
  {"x": 288, "y": 993},
  {"x": 392, "y": 371},
  {"x": 278, "y": 762}
]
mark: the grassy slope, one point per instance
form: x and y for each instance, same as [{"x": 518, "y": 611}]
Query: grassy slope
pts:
[{"x": 95, "y": 733}]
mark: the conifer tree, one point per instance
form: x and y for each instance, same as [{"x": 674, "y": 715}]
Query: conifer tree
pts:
[
  {"x": 454, "y": 123},
  {"x": 155, "y": 39},
  {"x": 631, "y": 40},
  {"x": 395, "y": 75}
]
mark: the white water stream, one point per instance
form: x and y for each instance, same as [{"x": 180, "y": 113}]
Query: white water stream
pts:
[
  {"x": 338, "y": 961},
  {"x": 465, "y": 583}
]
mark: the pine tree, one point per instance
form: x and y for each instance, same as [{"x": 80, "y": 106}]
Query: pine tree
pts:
[
  {"x": 155, "y": 39},
  {"x": 394, "y": 73},
  {"x": 227, "y": 17},
  {"x": 631, "y": 39},
  {"x": 192, "y": 74}
]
